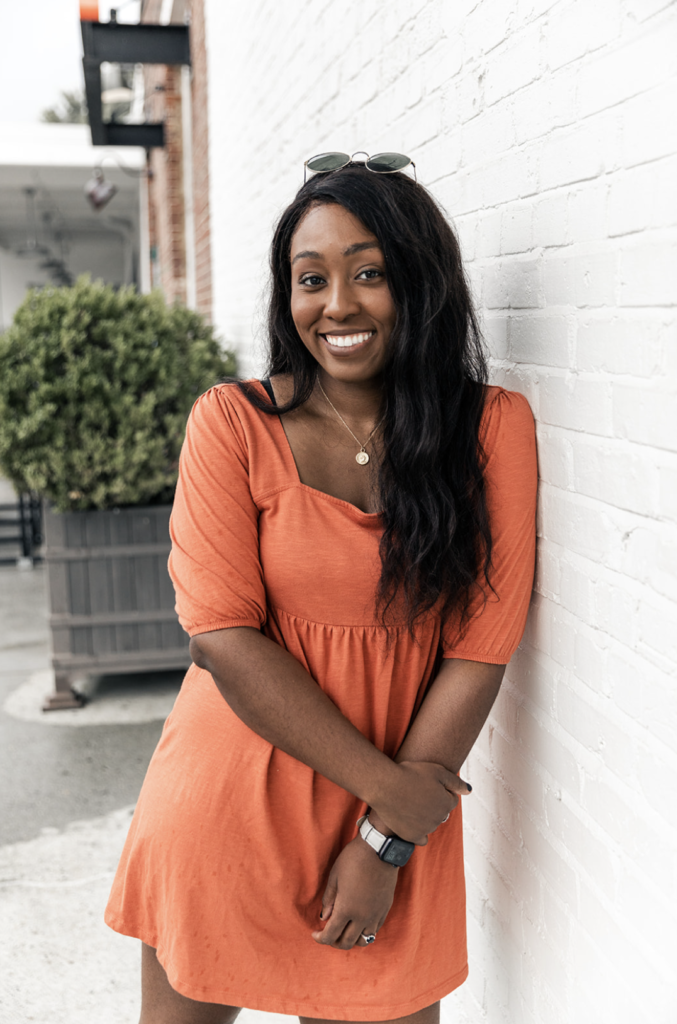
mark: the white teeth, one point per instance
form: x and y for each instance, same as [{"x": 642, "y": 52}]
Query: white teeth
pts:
[{"x": 347, "y": 340}]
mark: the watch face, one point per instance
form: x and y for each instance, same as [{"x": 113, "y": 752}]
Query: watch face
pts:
[{"x": 397, "y": 852}]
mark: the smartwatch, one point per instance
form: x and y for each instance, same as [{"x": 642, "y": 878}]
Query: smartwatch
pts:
[{"x": 390, "y": 849}]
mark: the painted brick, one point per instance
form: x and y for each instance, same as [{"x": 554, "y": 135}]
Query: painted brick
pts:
[
  {"x": 486, "y": 26},
  {"x": 530, "y": 10},
  {"x": 536, "y": 114},
  {"x": 657, "y": 773},
  {"x": 582, "y": 528},
  {"x": 489, "y": 233},
  {"x": 516, "y": 64},
  {"x": 466, "y": 231},
  {"x": 489, "y": 133},
  {"x": 576, "y": 596},
  {"x": 657, "y": 711},
  {"x": 648, "y": 271},
  {"x": 650, "y": 125},
  {"x": 668, "y": 491},
  {"x": 600, "y": 864},
  {"x": 495, "y": 329},
  {"x": 587, "y": 221},
  {"x": 550, "y": 220},
  {"x": 644, "y": 197},
  {"x": 651, "y": 557},
  {"x": 621, "y": 343},
  {"x": 586, "y": 277},
  {"x": 516, "y": 229},
  {"x": 579, "y": 404},
  {"x": 555, "y": 457},
  {"x": 582, "y": 152},
  {"x": 656, "y": 627},
  {"x": 513, "y": 284},
  {"x": 623, "y": 476},
  {"x": 513, "y": 173},
  {"x": 592, "y": 727},
  {"x": 640, "y": 10},
  {"x": 590, "y": 659},
  {"x": 616, "y": 607},
  {"x": 539, "y": 339},
  {"x": 642, "y": 63},
  {"x": 444, "y": 62},
  {"x": 644, "y": 906},
  {"x": 577, "y": 28},
  {"x": 541, "y": 746},
  {"x": 645, "y": 414}
]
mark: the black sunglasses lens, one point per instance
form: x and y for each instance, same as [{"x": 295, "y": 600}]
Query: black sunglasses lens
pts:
[
  {"x": 388, "y": 162},
  {"x": 328, "y": 162}
]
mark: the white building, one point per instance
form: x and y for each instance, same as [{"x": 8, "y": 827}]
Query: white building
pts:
[
  {"x": 548, "y": 129},
  {"x": 52, "y": 232}
]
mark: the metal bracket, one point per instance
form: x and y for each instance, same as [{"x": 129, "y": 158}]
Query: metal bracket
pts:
[{"x": 128, "y": 44}]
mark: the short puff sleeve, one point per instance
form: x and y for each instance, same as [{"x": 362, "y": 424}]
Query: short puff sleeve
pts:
[
  {"x": 214, "y": 562},
  {"x": 498, "y": 617}
]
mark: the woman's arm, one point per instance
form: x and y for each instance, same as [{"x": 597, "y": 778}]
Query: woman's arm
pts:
[
  {"x": 450, "y": 718},
  {"x": 271, "y": 692},
  {"x": 360, "y": 888}
]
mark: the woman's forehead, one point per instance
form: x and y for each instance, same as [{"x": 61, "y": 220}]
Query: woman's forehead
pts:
[{"x": 329, "y": 225}]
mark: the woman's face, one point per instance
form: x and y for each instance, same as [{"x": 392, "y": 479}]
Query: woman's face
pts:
[{"x": 340, "y": 301}]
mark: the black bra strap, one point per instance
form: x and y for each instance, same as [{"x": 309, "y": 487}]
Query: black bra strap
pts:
[{"x": 269, "y": 390}]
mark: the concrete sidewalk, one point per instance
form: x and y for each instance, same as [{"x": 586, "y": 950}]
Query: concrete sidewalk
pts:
[{"x": 69, "y": 781}]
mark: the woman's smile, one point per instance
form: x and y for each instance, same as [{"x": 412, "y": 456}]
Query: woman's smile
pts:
[{"x": 346, "y": 343}]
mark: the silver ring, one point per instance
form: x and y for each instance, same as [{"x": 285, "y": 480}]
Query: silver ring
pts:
[
  {"x": 369, "y": 938},
  {"x": 446, "y": 819}
]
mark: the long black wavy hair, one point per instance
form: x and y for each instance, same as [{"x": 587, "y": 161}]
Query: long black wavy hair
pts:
[{"x": 436, "y": 540}]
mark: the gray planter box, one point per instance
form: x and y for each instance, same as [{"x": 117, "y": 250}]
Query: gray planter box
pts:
[{"x": 111, "y": 598}]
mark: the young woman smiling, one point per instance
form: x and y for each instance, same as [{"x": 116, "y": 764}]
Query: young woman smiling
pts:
[{"x": 353, "y": 550}]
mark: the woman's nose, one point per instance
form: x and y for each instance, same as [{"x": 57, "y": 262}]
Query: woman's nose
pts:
[{"x": 341, "y": 302}]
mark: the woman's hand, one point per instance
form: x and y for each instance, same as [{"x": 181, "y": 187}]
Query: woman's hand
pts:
[
  {"x": 357, "y": 898},
  {"x": 423, "y": 796}
]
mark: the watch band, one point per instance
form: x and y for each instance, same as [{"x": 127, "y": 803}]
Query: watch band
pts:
[
  {"x": 390, "y": 849},
  {"x": 371, "y": 835}
]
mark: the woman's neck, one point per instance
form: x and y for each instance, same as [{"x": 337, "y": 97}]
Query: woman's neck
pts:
[{"x": 357, "y": 401}]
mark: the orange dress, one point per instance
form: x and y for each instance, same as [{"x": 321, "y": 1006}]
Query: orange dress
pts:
[{"x": 232, "y": 839}]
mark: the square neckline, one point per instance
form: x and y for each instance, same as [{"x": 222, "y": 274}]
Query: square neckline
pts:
[{"x": 287, "y": 447}]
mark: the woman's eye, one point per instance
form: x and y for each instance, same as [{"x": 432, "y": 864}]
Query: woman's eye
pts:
[
  {"x": 371, "y": 274},
  {"x": 312, "y": 280}
]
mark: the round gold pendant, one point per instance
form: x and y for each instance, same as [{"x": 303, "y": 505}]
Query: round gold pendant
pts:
[{"x": 362, "y": 458}]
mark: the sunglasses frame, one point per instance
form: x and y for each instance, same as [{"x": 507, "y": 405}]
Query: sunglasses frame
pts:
[{"x": 359, "y": 152}]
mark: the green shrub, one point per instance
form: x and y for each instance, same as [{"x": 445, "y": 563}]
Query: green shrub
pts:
[{"x": 95, "y": 389}]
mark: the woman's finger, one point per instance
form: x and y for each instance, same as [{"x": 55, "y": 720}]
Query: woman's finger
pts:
[
  {"x": 333, "y": 930},
  {"x": 353, "y": 935},
  {"x": 455, "y": 784},
  {"x": 368, "y": 931},
  {"x": 329, "y": 898}
]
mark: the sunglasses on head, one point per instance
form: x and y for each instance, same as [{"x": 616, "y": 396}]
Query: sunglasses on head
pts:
[{"x": 381, "y": 163}]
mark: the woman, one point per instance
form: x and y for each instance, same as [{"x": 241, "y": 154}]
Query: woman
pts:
[{"x": 353, "y": 546}]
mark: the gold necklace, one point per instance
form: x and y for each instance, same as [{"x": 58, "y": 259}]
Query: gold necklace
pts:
[{"x": 362, "y": 457}]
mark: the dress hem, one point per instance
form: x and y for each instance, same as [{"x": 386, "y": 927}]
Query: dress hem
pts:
[
  {"x": 211, "y": 627},
  {"x": 300, "y": 1009},
  {"x": 481, "y": 656}
]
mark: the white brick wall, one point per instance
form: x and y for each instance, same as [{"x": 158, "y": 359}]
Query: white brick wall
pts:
[{"x": 548, "y": 128}]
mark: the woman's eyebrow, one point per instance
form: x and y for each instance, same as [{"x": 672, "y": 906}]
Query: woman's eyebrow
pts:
[
  {"x": 350, "y": 251},
  {"x": 360, "y": 247},
  {"x": 307, "y": 254}
]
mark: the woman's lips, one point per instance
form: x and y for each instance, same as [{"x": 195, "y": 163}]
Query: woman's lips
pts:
[{"x": 342, "y": 344}]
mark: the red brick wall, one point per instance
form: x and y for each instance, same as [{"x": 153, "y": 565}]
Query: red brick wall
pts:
[
  {"x": 203, "y": 253},
  {"x": 166, "y": 186}
]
